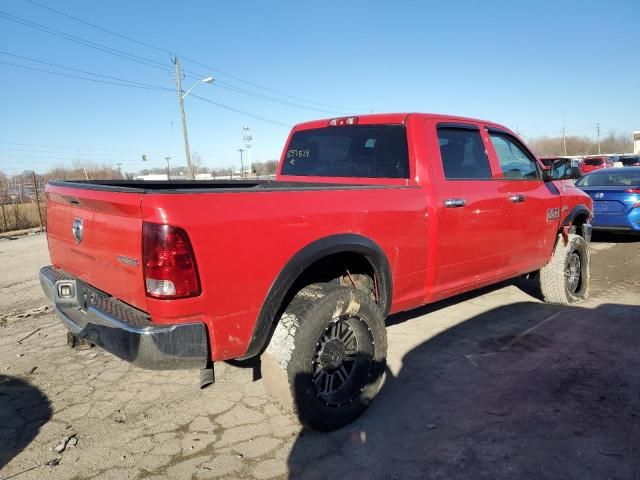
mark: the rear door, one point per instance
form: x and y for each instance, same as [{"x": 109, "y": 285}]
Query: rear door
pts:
[
  {"x": 471, "y": 209},
  {"x": 96, "y": 235},
  {"x": 534, "y": 206}
]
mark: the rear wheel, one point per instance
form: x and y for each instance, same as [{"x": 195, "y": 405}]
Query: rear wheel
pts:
[
  {"x": 565, "y": 279},
  {"x": 326, "y": 359}
]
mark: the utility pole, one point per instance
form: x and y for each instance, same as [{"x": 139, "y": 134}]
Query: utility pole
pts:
[
  {"x": 119, "y": 168},
  {"x": 564, "y": 139},
  {"x": 598, "y": 133},
  {"x": 241, "y": 163},
  {"x": 35, "y": 190},
  {"x": 246, "y": 138},
  {"x": 184, "y": 120},
  {"x": 168, "y": 168}
]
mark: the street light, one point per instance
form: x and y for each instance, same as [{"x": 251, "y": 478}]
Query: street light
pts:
[
  {"x": 208, "y": 80},
  {"x": 181, "y": 97}
]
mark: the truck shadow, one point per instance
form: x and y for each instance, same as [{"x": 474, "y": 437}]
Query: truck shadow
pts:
[
  {"x": 23, "y": 410},
  {"x": 610, "y": 237},
  {"x": 523, "y": 391}
]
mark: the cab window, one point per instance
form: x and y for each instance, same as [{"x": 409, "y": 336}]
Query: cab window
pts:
[
  {"x": 516, "y": 163},
  {"x": 463, "y": 154}
]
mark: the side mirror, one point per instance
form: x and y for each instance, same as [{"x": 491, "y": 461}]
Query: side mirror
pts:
[
  {"x": 564, "y": 169},
  {"x": 574, "y": 173},
  {"x": 547, "y": 174}
]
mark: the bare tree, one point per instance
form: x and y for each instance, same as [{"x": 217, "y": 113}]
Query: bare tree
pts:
[
  {"x": 581, "y": 145},
  {"x": 196, "y": 162}
]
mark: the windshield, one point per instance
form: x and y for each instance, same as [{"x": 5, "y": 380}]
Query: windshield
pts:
[
  {"x": 617, "y": 179},
  {"x": 592, "y": 161},
  {"x": 369, "y": 151}
]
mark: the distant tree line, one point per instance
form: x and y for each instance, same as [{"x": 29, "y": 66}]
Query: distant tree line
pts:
[
  {"x": 268, "y": 167},
  {"x": 96, "y": 171},
  {"x": 581, "y": 145}
]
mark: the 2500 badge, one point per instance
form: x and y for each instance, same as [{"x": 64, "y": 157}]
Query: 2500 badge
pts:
[{"x": 553, "y": 213}]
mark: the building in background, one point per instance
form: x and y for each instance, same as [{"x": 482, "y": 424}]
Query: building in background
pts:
[{"x": 636, "y": 141}]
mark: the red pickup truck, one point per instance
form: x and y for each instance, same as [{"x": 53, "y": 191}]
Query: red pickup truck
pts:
[{"x": 367, "y": 216}]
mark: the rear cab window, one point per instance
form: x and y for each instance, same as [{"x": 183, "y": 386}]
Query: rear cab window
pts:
[
  {"x": 463, "y": 154},
  {"x": 366, "y": 151}
]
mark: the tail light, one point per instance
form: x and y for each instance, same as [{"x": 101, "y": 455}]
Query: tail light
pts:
[
  {"x": 632, "y": 190},
  {"x": 341, "y": 122},
  {"x": 170, "y": 269}
]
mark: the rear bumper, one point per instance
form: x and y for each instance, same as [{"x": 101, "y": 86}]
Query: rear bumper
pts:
[
  {"x": 121, "y": 329},
  {"x": 628, "y": 222}
]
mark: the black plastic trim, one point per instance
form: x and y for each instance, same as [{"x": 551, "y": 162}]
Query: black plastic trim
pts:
[
  {"x": 577, "y": 211},
  {"x": 553, "y": 190},
  {"x": 502, "y": 131},
  {"x": 462, "y": 126},
  {"x": 342, "y": 243}
]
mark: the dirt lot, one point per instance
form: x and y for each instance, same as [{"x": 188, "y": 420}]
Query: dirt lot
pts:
[{"x": 494, "y": 384}]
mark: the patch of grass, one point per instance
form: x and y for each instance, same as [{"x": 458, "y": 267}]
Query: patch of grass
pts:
[{"x": 19, "y": 216}]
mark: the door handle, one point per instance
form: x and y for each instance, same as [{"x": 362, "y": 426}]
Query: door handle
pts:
[
  {"x": 517, "y": 198},
  {"x": 454, "y": 202}
]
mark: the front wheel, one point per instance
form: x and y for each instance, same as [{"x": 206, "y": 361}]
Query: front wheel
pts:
[
  {"x": 327, "y": 356},
  {"x": 565, "y": 279}
]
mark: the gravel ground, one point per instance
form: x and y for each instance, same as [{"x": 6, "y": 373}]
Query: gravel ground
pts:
[{"x": 493, "y": 384}]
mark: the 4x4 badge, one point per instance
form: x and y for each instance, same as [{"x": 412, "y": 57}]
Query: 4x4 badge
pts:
[{"x": 77, "y": 229}]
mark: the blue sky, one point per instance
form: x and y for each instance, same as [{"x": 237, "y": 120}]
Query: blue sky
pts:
[{"x": 533, "y": 66}]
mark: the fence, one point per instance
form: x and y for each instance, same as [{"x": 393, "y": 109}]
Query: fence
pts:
[{"x": 22, "y": 205}]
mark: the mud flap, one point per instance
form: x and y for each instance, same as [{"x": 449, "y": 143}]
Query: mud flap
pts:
[
  {"x": 73, "y": 341},
  {"x": 207, "y": 376},
  {"x": 565, "y": 234}
]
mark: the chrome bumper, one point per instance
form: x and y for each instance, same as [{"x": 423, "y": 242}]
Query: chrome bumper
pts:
[{"x": 121, "y": 329}]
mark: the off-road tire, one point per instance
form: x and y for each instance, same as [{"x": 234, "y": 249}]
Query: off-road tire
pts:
[
  {"x": 558, "y": 277},
  {"x": 305, "y": 354}
]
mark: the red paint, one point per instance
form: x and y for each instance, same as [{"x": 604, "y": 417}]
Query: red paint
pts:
[
  {"x": 589, "y": 164},
  {"x": 241, "y": 241}
]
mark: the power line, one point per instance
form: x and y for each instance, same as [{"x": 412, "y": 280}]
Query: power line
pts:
[
  {"x": 34, "y": 148},
  {"x": 91, "y": 152},
  {"x": 242, "y": 112},
  {"x": 93, "y": 25},
  {"x": 144, "y": 60},
  {"x": 86, "y": 43},
  {"x": 70, "y": 155},
  {"x": 238, "y": 79},
  {"x": 208, "y": 67},
  {"x": 147, "y": 87},
  {"x": 82, "y": 71},
  {"x": 116, "y": 52},
  {"x": 266, "y": 97}
]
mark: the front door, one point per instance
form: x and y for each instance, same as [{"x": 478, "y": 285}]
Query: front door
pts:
[{"x": 534, "y": 207}]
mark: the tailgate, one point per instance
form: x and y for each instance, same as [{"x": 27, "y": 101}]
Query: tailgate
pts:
[{"x": 96, "y": 235}]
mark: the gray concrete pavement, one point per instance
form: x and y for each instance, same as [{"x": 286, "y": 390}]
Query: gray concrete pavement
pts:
[{"x": 493, "y": 384}]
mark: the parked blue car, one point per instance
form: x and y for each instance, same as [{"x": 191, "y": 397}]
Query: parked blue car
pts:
[{"x": 616, "y": 198}]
